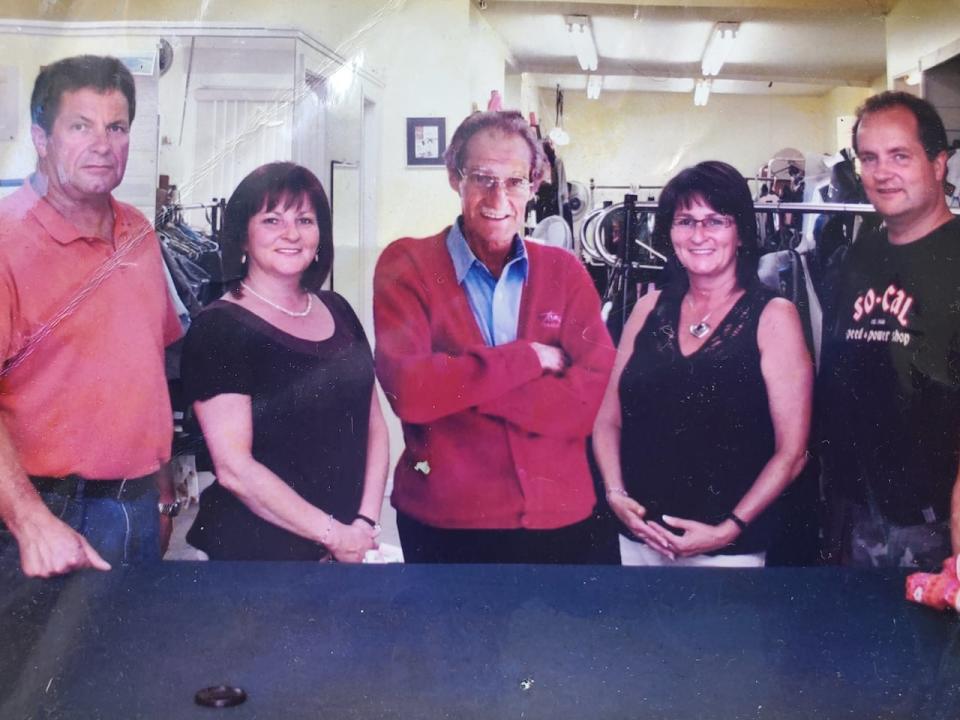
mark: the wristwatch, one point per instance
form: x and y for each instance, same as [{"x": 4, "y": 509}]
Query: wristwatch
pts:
[
  {"x": 369, "y": 521},
  {"x": 171, "y": 510}
]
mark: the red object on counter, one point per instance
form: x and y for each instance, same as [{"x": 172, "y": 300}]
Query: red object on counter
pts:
[{"x": 937, "y": 590}]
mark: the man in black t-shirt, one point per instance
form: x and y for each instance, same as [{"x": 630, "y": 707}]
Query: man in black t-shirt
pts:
[{"x": 890, "y": 384}]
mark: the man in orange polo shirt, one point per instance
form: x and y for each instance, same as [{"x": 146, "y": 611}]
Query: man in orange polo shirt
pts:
[{"x": 85, "y": 420}]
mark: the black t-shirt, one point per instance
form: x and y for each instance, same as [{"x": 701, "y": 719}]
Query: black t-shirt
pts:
[
  {"x": 889, "y": 390},
  {"x": 696, "y": 431},
  {"x": 310, "y": 405}
]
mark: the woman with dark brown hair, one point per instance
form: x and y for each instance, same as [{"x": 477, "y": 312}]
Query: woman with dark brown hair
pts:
[
  {"x": 282, "y": 381},
  {"x": 706, "y": 416}
]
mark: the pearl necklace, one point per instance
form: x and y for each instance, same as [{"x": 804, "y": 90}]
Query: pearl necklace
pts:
[{"x": 291, "y": 313}]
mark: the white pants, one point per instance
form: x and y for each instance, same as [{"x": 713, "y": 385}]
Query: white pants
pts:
[{"x": 633, "y": 552}]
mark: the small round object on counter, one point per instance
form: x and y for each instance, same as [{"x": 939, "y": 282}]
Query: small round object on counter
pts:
[{"x": 220, "y": 696}]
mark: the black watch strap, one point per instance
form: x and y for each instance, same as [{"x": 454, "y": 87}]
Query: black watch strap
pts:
[
  {"x": 369, "y": 521},
  {"x": 736, "y": 520}
]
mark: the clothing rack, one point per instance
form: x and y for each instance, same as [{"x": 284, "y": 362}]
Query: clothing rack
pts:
[
  {"x": 594, "y": 186},
  {"x": 626, "y": 259},
  {"x": 615, "y": 240},
  {"x": 594, "y": 251},
  {"x": 796, "y": 207},
  {"x": 191, "y": 255},
  {"x": 597, "y": 192},
  {"x": 174, "y": 213}
]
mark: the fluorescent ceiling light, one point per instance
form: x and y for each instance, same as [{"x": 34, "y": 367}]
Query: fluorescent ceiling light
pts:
[
  {"x": 582, "y": 37},
  {"x": 719, "y": 46},
  {"x": 913, "y": 78},
  {"x": 594, "y": 84},
  {"x": 701, "y": 93}
]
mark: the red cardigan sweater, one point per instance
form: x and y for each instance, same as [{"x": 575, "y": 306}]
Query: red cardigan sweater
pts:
[{"x": 491, "y": 441}]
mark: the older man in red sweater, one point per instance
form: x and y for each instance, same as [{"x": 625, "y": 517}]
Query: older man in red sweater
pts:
[{"x": 493, "y": 354}]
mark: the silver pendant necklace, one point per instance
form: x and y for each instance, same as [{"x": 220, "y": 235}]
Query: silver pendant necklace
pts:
[
  {"x": 291, "y": 313},
  {"x": 701, "y": 329}
]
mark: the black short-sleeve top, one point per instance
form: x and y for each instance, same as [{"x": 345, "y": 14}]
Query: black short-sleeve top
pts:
[{"x": 310, "y": 405}]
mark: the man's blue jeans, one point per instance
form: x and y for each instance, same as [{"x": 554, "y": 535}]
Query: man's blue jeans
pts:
[{"x": 124, "y": 532}]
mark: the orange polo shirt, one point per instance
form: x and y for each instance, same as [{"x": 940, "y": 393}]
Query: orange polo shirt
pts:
[{"x": 86, "y": 394}]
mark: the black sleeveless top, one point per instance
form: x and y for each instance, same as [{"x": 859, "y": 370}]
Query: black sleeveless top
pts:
[{"x": 697, "y": 430}]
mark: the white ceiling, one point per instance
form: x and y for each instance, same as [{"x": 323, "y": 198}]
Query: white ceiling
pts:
[{"x": 803, "y": 47}]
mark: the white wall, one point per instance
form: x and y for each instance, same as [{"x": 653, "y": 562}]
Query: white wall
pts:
[
  {"x": 840, "y": 108},
  {"x": 529, "y": 96},
  {"x": 336, "y": 23},
  {"x": 916, "y": 28},
  {"x": 645, "y": 138},
  {"x": 443, "y": 61}
]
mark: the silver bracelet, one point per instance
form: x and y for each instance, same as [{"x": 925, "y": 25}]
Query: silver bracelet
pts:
[
  {"x": 617, "y": 491},
  {"x": 325, "y": 538}
]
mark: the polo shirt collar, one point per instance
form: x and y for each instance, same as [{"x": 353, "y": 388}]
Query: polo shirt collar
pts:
[
  {"x": 464, "y": 259},
  {"x": 59, "y": 227}
]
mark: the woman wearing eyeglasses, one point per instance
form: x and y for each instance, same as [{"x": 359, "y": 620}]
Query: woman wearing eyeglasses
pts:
[{"x": 705, "y": 419}]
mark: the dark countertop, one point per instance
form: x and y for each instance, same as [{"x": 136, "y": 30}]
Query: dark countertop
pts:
[{"x": 405, "y": 641}]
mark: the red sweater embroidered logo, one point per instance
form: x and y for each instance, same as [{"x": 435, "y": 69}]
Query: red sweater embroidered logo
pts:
[{"x": 551, "y": 319}]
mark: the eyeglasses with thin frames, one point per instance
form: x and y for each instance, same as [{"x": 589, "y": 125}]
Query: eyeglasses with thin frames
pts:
[
  {"x": 487, "y": 182},
  {"x": 712, "y": 223}
]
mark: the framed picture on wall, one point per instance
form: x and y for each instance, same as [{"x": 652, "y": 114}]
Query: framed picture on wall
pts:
[{"x": 426, "y": 140}]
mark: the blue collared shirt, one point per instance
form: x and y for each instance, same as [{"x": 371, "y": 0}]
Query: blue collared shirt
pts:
[{"x": 495, "y": 301}]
